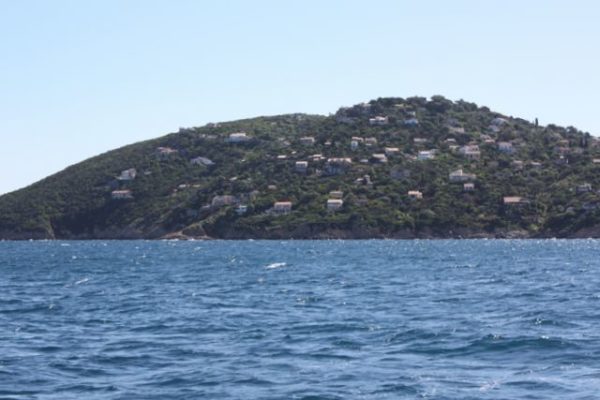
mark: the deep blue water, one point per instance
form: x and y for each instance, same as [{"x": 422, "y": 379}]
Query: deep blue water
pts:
[{"x": 493, "y": 319}]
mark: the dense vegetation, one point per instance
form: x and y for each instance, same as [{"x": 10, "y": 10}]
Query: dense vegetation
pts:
[{"x": 550, "y": 168}]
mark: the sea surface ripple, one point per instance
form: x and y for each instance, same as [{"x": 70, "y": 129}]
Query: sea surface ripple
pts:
[{"x": 447, "y": 319}]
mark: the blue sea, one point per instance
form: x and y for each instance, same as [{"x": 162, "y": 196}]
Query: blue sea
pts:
[{"x": 445, "y": 319}]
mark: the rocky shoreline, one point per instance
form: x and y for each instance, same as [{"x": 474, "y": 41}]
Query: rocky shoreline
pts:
[{"x": 302, "y": 233}]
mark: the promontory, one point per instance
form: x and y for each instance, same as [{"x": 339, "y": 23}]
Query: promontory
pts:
[{"x": 390, "y": 168}]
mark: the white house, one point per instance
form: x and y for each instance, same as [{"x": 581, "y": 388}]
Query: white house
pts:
[
  {"x": 301, "y": 166},
  {"x": 535, "y": 164},
  {"x": 518, "y": 164},
  {"x": 121, "y": 194},
  {"x": 337, "y": 165},
  {"x": 471, "y": 152},
  {"x": 584, "y": 188},
  {"x": 456, "y": 129},
  {"x": 202, "y": 161},
  {"x": 334, "y": 204},
  {"x": 226, "y": 200},
  {"x": 238, "y": 137},
  {"x": 371, "y": 141},
  {"x": 415, "y": 194},
  {"x": 241, "y": 209},
  {"x": 282, "y": 207},
  {"x": 498, "y": 121},
  {"x": 513, "y": 200},
  {"x": 390, "y": 151},
  {"x": 336, "y": 194},
  {"x": 364, "y": 181},
  {"x": 426, "y": 155},
  {"x": 379, "y": 120},
  {"x": 460, "y": 176},
  {"x": 307, "y": 141},
  {"x": 165, "y": 152},
  {"x": 505, "y": 147},
  {"x": 468, "y": 187},
  {"x": 356, "y": 142},
  {"x": 128, "y": 174}
]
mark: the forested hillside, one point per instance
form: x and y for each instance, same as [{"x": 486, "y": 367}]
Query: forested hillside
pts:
[{"x": 392, "y": 167}]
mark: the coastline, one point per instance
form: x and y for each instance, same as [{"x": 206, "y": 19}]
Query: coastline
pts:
[{"x": 462, "y": 234}]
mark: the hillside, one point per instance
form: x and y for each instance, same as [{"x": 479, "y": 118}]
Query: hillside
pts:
[{"x": 387, "y": 168}]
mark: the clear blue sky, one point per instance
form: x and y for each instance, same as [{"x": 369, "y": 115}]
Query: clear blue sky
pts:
[{"x": 78, "y": 78}]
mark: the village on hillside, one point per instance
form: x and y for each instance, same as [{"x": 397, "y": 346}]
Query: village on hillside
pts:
[
  {"x": 389, "y": 167},
  {"x": 392, "y": 141}
]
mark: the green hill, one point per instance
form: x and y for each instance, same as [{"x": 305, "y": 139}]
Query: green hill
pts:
[{"x": 518, "y": 179}]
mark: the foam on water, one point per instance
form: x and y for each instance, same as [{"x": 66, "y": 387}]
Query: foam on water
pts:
[{"x": 275, "y": 265}]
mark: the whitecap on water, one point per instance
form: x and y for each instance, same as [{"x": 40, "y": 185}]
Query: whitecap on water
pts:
[
  {"x": 275, "y": 265},
  {"x": 489, "y": 386},
  {"x": 84, "y": 280}
]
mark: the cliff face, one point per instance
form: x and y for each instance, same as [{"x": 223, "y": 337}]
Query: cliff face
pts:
[{"x": 390, "y": 168}]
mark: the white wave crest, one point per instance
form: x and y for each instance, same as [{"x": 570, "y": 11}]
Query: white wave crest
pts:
[{"x": 276, "y": 265}]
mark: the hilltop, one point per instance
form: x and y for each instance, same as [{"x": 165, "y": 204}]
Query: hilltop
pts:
[{"x": 389, "y": 168}]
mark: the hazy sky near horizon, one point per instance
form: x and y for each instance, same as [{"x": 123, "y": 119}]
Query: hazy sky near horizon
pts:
[{"x": 78, "y": 78}]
